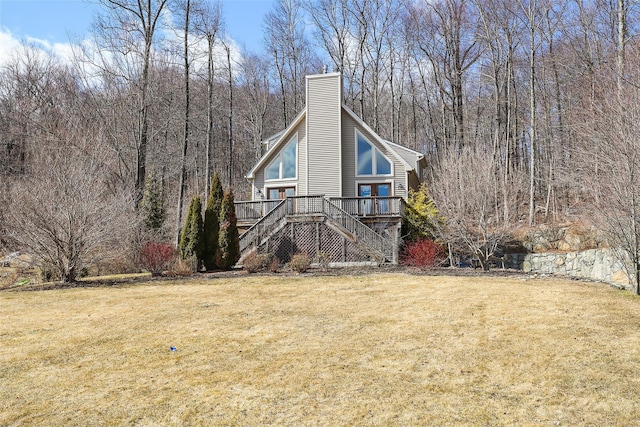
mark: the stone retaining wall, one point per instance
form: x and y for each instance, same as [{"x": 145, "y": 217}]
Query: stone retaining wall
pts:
[{"x": 596, "y": 264}]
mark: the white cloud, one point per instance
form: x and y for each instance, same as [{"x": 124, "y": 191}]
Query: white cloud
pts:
[{"x": 9, "y": 46}]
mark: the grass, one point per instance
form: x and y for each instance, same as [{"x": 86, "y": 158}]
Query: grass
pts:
[{"x": 387, "y": 349}]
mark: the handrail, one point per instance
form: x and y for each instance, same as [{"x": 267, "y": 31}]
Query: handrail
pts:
[
  {"x": 254, "y": 210},
  {"x": 264, "y": 227},
  {"x": 371, "y": 206},
  {"x": 358, "y": 229}
]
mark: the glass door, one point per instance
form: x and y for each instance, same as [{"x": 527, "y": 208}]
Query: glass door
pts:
[
  {"x": 374, "y": 206},
  {"x": 274, "y": 195},
  {"x": 383, "y": 190},
  {"x": 365, "y": 190}
]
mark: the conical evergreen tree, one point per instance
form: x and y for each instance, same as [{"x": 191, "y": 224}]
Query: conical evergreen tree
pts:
[
  {"x": 212, "y": 223},
  {"x": 228, "y": 239},
  {"x": 191, "y": 241},
  {"x": 153, "y": 207}
]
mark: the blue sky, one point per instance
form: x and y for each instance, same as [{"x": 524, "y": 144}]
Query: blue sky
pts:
[{"x": 54, "y": 21}]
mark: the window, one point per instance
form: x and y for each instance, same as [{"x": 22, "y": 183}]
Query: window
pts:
[
  {"x": 285, "y": 165},
  {"x": 371, "y": 161}
]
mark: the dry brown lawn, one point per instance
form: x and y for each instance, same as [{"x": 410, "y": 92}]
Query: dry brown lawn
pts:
[{"x": 385, "y": 349}]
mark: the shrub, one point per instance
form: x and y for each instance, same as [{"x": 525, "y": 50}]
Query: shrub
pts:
[
  {"x": 182, "y": 267},
  {"x": 191, "y": 241},
  {"x": 324, "y": 258},
  {"x": 252, "y": 262},
  {"x": 300, "y": 262},
  {"x": 156, "y": 257},
  {"x": 47, "y": 274},
  {"x": 423, "y": 253},
  {"x": 421, "y": 218},
  {"x": 154, "y": 212},
  {"x": 212, "y": 223},
  {"x": 274, "y": 264},
  {"x": 228, "y": 238},
  {"x": 255, "y": 262},
  {"x": 8, "y": 276}
]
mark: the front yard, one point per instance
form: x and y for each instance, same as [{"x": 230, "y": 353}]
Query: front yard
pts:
[{"x": 382, "y": 349}]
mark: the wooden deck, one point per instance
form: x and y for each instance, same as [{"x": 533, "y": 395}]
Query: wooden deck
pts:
[
  {"x": 370, "y": 223},
  {"x": 366, "y": 209}
]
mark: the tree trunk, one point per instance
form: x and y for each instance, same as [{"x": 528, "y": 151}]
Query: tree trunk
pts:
[
  {"x": 621, "y": 44},
  {"x": 230, "y": 117},
  {"x": 532, "y": 114},
  {"x": 185, "y": 144},
  {"x": 209, "y": 144}
]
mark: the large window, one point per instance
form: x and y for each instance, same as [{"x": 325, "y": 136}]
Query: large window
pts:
[
  {"x": 285, "y": 165},
  {"x": 371, "y": 161}
]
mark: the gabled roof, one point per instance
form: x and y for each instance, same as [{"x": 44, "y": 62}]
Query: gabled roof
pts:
[
  {"x": 401, "y": 153},
  {"x": 393, "y": 148},
  {"x": 281, "y": 136},
  {"x": 407, "y": 153}
]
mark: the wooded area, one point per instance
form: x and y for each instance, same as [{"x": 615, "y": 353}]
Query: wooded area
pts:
[{"x": 526, "y": 110}]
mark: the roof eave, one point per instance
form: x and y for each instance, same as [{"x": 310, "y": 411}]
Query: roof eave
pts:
[{"x": 387, "y": 144}]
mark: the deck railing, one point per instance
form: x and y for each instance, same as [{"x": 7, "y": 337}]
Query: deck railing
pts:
[
  {"x": 305, "y": 205},
  {"x": 300, "y": 205},
  {"x": 359, "y": 230},
  {"x": 254, "y": 210},
  {"x": 371, "y": 206},
  {"x": 264, "y": 227}
]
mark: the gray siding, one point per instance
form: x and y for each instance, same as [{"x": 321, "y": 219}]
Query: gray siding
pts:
[
  {"x": 408, "y": 155},
  {"x": 324, "y": 105},
  {"x": 349, "y": 178},
  {"x": 300, "y": 183}
]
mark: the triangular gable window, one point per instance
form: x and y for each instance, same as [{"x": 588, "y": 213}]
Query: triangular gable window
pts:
[
  {"x": 285, "y": 165},
  {"x": 371, "y": 161}
]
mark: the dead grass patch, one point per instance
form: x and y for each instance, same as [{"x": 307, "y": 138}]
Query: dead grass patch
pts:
[{"x": 388, "y": 349}]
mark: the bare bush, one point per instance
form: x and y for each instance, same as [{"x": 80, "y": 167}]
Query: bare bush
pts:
[
  {"x": 300, "y": 262},
  {"x": 66, "y": 212}
]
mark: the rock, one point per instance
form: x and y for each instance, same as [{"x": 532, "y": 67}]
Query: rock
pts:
[{"x": 620, "y": 277}]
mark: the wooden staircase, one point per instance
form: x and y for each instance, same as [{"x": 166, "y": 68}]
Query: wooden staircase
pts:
[{"x": 319, "y": 209}]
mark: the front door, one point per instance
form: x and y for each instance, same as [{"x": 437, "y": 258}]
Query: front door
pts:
[{"x": 375, "y": 206}]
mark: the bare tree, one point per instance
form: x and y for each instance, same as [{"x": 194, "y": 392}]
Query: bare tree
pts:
[
  {"x": 230, "y": 108},
  {"x": 469, "y": 190},
  {"x": 129, "y": 27},
  {"x": 254, "y": 98},
  {"x": 612, "y": 172},
  {"x": 209, "y": 23},
  {"x": 185, "y": 13},
  {"x": 286, "y": 43},
  {"x": 448, "y": 40}
]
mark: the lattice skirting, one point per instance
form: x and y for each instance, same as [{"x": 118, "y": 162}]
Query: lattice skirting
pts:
[{"x": 315, "y": 239}]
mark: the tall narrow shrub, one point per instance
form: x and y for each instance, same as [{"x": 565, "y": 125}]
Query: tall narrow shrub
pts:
[
  {"x": 153, "y": 207},
  {"x": 228, "y": 238},
  {"x": 212, "y": 223},
  {"x": 192, "y": 241}
]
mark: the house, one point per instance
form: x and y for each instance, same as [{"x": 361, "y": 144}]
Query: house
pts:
[{"x": 328, "y": 185}]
